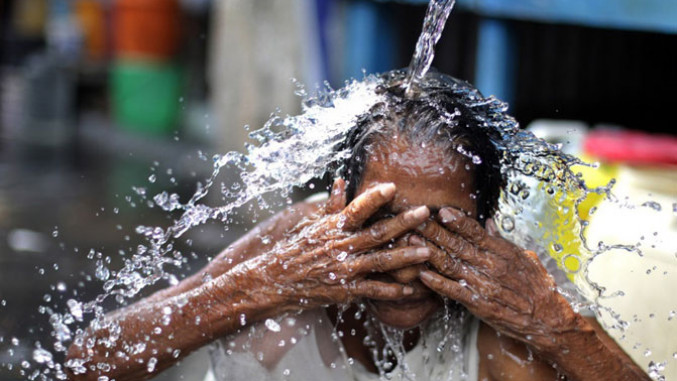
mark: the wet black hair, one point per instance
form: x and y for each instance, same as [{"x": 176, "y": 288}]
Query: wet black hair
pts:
[{"x": 439, "y": 117}]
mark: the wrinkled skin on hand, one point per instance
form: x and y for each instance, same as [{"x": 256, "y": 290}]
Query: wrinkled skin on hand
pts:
[
  {"x": 325, "y": 258},
  {"x": 505, "y": 286},
  {"x": 510, "y": 290}
]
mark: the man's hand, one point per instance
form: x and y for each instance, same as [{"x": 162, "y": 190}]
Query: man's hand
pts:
[
  {"x": 505, "y": 286},
  {"x": 325, "y": 259},
  {"x": 509, "y": 289}
]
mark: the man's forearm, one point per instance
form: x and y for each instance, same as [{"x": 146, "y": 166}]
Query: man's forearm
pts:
[
  {"x": 153, "y": 336},
  {"x": 581, "y": 354}
]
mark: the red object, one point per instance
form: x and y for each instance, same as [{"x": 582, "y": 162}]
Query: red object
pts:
[
  {"x": 146, "y": 28},
  {"x": 632, "y": 147}
]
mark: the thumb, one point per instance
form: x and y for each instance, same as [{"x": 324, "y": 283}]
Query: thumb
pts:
[
  {"x": 491, "y": 228},
  {"x": 337, "y": 197}
]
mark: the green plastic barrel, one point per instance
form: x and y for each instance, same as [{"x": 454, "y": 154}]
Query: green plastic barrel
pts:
[{"x": 145, "y": 96}]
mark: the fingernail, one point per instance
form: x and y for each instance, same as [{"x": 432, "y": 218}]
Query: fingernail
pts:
[
  {"x": 426, "y": 276},
  {"x": 416, "y": 240},
  {"x": 387, "y": 190},
  {"x": 423, "y": 252},
  {"x": 446, "y": 215},
  {"x": 422, "y": 226},
  {"x": 408, "y": 290},
  {"x": 421, "y": 212}
]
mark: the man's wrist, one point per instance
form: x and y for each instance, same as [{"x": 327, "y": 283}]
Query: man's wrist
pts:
[
  {"x": 580, "y": 354},
  {"x": 233, "y": 300}
]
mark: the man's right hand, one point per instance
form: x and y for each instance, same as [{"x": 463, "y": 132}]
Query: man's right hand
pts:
[{"x": 326, "y": 257}]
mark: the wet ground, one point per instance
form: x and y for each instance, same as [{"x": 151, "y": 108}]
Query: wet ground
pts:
[{"x": 57, "y": 204}]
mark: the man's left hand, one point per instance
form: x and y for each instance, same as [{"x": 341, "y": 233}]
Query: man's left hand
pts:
[{"x": 502, "y": 284}]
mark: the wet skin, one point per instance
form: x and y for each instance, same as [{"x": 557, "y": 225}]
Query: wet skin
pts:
[
  {"x": 321, "y": 256},
  {"x": 505, "y": 286},
  {"x": 413, "y": 206},
  {"x": 422, "y": 177}
]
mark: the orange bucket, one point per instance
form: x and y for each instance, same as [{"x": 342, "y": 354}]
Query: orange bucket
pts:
[
  {"x": 92, "y": 18},
  {"x": 146, "y": 28}
]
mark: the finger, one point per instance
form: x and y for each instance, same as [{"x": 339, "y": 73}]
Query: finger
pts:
[
  {"x": 366, "y": 204},
  {"x": 468, "y": 228},
  {"x": 471, "y": 231},
  {"x": 441, "y": 260},
  {"x": 408, "y": 274},
  {"x": 388, "y": 260},
  {"x": 532, "y": 254},
  {"x": 337, "y": 197},
  {"x": 491, "y": 227},
  {"x": 471, "y": 299},
  {"x": 416, "y": 240},
  {"x": 445, "y": 263},
  {"x": 385, "y": 230},
  {"x": 455, "y": 269},
  {"x": 451, "y": 243},
  {"x": 447, "y": 287},
  {"x": 373, "y": 289}
]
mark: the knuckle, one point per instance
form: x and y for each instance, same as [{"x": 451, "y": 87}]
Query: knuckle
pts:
[
  {"x": 352, "y": 289},
  {"x": 466, "y": 248},
  {"x": 351, "y": 211},
  {"x": 381, "y": 261},
  {"x": 368, "y": 289},
  {"x": 378, "y": 232},
  {"x": 405, "y": 219},
  {"x": 346, "y": 269},
  {"x": 475, "y": 231},
  {"x": 450, "y": 266}
]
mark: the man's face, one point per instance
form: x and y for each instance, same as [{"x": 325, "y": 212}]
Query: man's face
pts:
[{"x": 423, "y": 176}]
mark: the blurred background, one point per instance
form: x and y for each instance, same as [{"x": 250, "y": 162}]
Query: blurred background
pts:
[{"x": 104, "y": 103}]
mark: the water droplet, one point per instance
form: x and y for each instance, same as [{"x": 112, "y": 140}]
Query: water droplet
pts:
[
  {"x": 507, "y": 223},
  {"x": 42, "y": 356},
  {"x": 655, "y": 369},
  {"x": 75, "y": 309},
  {"x": 653, "y": 205},
  {"x": 102, "y": 272},
  {"x": 150, "y": 367},
  {"x": 272, "y": 325},
  {"x": 181, "y": 301}
]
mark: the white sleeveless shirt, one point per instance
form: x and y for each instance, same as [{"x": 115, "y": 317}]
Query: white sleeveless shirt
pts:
[{"x": 305, "y": 347}]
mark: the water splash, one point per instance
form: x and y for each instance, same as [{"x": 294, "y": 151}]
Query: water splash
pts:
[
  {"x": 435, "y": 18},
  {"x": 290, "y": 151}
]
